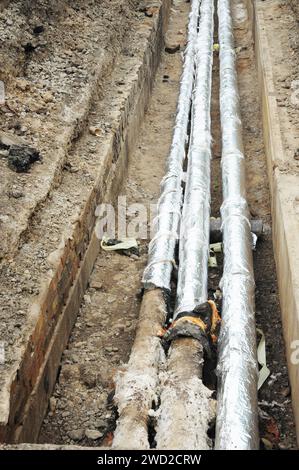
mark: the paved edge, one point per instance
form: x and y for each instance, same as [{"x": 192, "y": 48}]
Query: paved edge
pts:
[
  {"x": 284, "y": 190},
  {"x": 25, "y": 397}
]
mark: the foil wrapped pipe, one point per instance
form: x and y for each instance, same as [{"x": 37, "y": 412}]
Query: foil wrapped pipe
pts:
[
  {"x": 237, "y": 409},
  {"x": 166, "y": 224},
  {"x": 192, "y": 288}
]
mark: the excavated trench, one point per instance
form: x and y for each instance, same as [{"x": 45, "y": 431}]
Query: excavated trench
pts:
[{"x": 71, "y": 397}]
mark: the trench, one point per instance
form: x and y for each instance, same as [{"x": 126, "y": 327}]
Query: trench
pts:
[{"x": 81, "y": 410}]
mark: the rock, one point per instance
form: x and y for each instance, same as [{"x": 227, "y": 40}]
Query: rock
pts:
[
  {"x": 76, "y": 434},
  {"x": 15, "y": 193},
  {"x": 21, "y": 157},
  {"x": 22, "y": 84},
  {"x": 296, "y": 154},
  {"x": 171, "y": 45},
  {"x": 94, "y": 284},
  {"x": 48, "y": 97},
  {"x": 69, "y": 372},
  {"x": 88, "y": 376},
  {"x": 52, "y": 404},
  {"x": 93, "y": 434},
  {"x": 100, "y": 423},
  {"x": 4, "y": 152},
  {"x": 74, "y": 358},
  {"x": 7, "y": 140}
]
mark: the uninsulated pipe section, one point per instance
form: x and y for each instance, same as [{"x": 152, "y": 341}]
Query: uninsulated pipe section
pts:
[
  {"x": 195, "y": 224},
  {"x": 166, "y": 224},
  {"x": 236, "y": 426}
]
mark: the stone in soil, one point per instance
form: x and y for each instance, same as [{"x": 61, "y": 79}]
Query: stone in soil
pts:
[
  {"x": 21, "y": 157},
  {"x": 76, "y": 434},
  {"x": 93, "y": 434}
]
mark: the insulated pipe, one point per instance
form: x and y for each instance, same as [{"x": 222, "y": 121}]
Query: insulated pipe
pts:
[
  {"x": 192, "y": 288},
  {"x": 166, "y": 224},
  {"x": 237, "y": 413},
  {"x": 186, "y": 408},
  {"x": 137, "y": 385}
]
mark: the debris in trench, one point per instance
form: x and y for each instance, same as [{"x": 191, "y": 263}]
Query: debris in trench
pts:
[
  {"x": 269, "y": 431},
  {"x": 212, "y": 260},
  {"x": 261, "y": 357},
  {"x": 218, "y": 294},
  {"x": 266, "y": 443},
  {"x": 214, "y": 248},
  {"x": 172, "y": 48},
  {"x": 126, "y": 246},
  {"x": 254, "y": 240},
  {"x": 94, "y": 130},
  {"x": 202, "y": 323},
  {"x": 20, "y": 155}
]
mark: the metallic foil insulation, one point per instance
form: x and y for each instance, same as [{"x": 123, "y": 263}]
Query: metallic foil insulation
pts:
[
  {"x": 192, "y": 288},
  {"x": 236, "y": 426},
  {"x": 166, "y": 224}
]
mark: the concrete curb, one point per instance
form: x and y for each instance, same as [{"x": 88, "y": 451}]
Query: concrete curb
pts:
[{"x": 284, "y": 184}]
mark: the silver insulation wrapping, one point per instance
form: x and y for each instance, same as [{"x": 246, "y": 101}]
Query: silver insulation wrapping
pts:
[
  {"x": 192, "y": 286},
  {"x": 236, "y": 426},
  {"x": 166, "y": 223}
]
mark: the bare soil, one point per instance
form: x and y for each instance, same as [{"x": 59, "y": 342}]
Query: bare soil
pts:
[
  {"x": 39, "y": 208},
  {"x": 53, "y": 55},
  {"x": 282, "y": 23}
]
